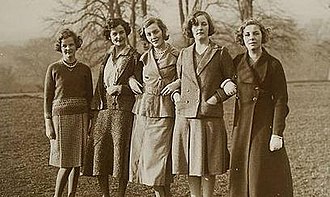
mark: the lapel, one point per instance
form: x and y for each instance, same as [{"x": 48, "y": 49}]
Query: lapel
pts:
[
  {"x": 255, "y": 73},
  {"x": 209, "y": 53},
  {"x": 261, "y": 65},
  {"x": 123, "y": 63},
  {"x": 189, "y": 57},
  {"x": 149, "y": 62}
]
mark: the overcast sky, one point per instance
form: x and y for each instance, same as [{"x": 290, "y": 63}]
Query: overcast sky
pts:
[{"x": 23, "y": 19}]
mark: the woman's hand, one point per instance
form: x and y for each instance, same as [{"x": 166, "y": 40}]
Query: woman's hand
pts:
[
  {"x": 276, "y": 143},
  {"x": 212, "y": 100},
  {"x": 50, "y": 132},
  {"x": 114, "y": 90},
  {"x": 176, "y": 97},
  {"x": 230, "y": 88},
  {"x": 135, "y": 86},
  {"x": 169, "y": 89}
]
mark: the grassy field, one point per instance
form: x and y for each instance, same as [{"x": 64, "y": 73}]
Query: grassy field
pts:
[{"x": 24, "y": 148}]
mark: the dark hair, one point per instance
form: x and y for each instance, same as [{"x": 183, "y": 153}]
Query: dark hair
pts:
[
  {"x": 149, "y": 21},
  {"x": 64, "y": 34},
  {"x": 264, "y": 31},
  {"x": 113, "y": 23},
  {"x": 192, "y": 21}
]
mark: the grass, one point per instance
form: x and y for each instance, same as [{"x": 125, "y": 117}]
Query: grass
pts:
[{"x": 24, "y": 148}]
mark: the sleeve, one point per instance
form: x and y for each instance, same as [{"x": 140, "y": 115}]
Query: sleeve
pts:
[
  {"x": 89, "y": 89},
  {"x": 226, "y": 67},
  {"x": 137, "y": 73},
  {"x": 49, "y": 92},
  {"x": 280, "y": 96}
]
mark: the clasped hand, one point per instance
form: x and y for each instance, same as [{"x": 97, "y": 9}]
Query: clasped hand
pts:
[
  {"x": 230, "y": 88},
  {"x": 114, "y": 90}
]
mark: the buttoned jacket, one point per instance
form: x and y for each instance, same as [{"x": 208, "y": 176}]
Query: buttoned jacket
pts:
[{"x": 200, "y": 82}]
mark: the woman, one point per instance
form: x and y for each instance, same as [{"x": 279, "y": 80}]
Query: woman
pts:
[
  {"x": 154, "y": 111},
  {"x": 259, "y": 163},
  {"x": 199, "y": 141},
  {"x": 67, "y": 96},
  {"x": 114, "y": 101}
]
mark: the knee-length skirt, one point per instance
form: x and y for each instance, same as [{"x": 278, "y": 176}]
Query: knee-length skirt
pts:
[
  {"x": 108, "y": 151},
  {"x": 150, "y": 160},
  {"x": 199, "y": 146},
  {"x": 67, "y": 150}
]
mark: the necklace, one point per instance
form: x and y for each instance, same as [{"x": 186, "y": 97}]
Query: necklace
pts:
[
  {"x": 70, "y": 66},
  {"x": 159, "y": 54}
]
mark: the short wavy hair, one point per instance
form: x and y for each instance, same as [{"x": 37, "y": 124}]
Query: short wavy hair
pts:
[
  {"x": 64, "y": 34},
  {"x": 113, "y": 23},
  {"x": 149, "y": 21},
  {"x": 264, "y": 31},
  {"x": 192, "y": 20}
]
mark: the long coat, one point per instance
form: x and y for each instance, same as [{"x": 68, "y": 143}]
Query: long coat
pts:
[{"x": 261, "y": 109}]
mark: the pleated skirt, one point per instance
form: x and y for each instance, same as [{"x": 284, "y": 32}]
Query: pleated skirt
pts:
[{"x": 199, "y": 146}]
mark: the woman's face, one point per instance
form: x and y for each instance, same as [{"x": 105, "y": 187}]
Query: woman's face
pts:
[
  {"x": 252, "y": 37},
  {"x": 154, "y": 35},
  {"x": 68, "y": 48},
  {"x": 200, "y": 30},
  {"x": 118, "y": 36}
]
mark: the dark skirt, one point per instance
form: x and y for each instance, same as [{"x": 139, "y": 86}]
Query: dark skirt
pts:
[{"x": 108, "y": 144}]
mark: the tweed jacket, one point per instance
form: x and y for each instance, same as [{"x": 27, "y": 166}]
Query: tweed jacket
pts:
[
  {"x": 130, "y": 66},
  {"x": 156, "y": 75},
  {"x": 198, "y": 85}
]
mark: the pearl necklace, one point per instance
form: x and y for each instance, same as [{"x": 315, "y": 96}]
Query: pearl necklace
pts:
[{"x": 70, "y": 67}]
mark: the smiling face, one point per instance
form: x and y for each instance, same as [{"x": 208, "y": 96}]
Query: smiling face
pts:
[
  {"x": 154, "y": 35},
  {"x": 68, "y": 49},
  {"x": 200, "y": 29},
  {"x": 252, "y": 37},
  {"x": 118, "y": 36}
]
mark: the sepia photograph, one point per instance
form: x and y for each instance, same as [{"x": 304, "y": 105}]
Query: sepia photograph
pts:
[{"x": 164, "y": 98}]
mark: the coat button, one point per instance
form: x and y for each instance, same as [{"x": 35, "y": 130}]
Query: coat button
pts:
[
  {"x": 254, "y": 98},
  {"x": 256, "y": 88},
  {"x": 236, "y": 169},
  {"x": 187, "y": 90},
  {"x": 187, "y": 101}
]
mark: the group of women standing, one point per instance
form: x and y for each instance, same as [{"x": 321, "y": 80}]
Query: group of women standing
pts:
[{"x": 161, "y": 113}]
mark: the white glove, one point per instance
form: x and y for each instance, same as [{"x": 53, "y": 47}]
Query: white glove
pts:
[{"x": 276, "y": 142}]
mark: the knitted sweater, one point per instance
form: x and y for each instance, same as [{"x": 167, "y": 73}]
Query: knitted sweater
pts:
[{"x": 67, "y": 90}]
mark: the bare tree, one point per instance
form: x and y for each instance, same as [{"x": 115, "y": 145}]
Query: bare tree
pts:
[
  {"x": 245, "y": 8},
  {"x": 88, "y": 17}
]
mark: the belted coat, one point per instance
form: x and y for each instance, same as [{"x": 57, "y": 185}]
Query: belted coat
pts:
[{"x": 261, "y": 110}]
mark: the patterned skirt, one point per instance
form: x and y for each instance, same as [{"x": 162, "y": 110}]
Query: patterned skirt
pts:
[
  {"x": 67, "y": 150},
  {"x": 108, "y": 146}
]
